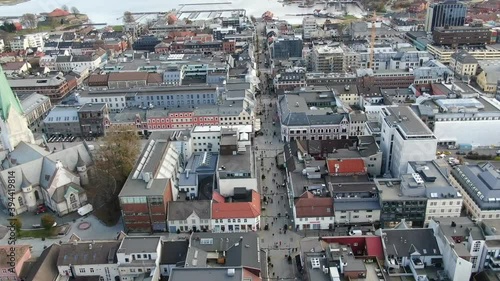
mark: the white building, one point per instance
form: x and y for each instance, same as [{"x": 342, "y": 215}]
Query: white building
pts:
[
  {"x": 237, "y": 216},
  {"x": 19, "y": 44},
  {"x": 311, "y": 212},
  {"x": 405, "y": 138},
  {"x": 139, "y": 257},
  {"x": 453, "y": 247},
  {"x": 206, "y": 138},
  {"x": 92, "y": 62},
  {"x": 478, "y": 184},
  {"x": 2, "y": 46},
  {"x": 474, "y": 121},
  {"x": 426, "y": 179},
  {"x": 308, "y": 27},
  {"x": 189, "y": 215},
  {"x": 74, "y": 259}
]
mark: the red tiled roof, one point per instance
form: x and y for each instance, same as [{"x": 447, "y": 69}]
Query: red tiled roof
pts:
[
  {"x": 217, "y": 197},
  {"x": 237, "y": 209},
  {"x": 13, "y": 65},
  {"x": 309, "y": 206},
  {"x": 128, "y": 76},
  {"x": 346, "y": 166},
  {"x": 58, "y": 13}
]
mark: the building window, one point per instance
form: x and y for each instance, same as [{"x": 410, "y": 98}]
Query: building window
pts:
[
  {"x": 82, "y": 270},
  {"x": 21, "y": 201}
]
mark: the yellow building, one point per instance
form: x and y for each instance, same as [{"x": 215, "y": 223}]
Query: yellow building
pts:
[
  {"x": 462, "y": 63},
  {"x": 490, "y": 75},
  {"x": 443, "y": 53}
]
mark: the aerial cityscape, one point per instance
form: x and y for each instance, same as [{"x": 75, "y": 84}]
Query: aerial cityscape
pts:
[{"x": 299, "y": 140}]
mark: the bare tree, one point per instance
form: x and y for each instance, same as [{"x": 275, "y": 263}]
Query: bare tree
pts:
[
  {"x": 65, "y": 8},
  {"x": 29, "y": 21},
  {"x": 128, "y": 17},
  {"x": 75, "y": 11},
  {"x": 117, "y": 157}
]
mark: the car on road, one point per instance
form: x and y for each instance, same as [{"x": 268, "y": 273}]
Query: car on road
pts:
[{"x": 41, "y": 209}]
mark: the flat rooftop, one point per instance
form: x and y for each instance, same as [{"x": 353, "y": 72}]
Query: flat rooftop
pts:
[
  {"x": 133, "y": 244},
  {"x": 206, "y": 274},
  {"x": 242, "y": 161},
  {"x": 408, "y": 122}
]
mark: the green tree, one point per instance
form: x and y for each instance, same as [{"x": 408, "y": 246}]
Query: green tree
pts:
[
  {"x": 16, "y": 223},
  {"x": 47, "y": 221},
  {"x": 128, "y": 17},
  {"x": 121, "y": 146},
  {"x": 29, "y": 21}
]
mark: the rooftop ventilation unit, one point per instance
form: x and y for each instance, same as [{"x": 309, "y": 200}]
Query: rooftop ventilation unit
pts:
[{"x": 418, "y": 179}]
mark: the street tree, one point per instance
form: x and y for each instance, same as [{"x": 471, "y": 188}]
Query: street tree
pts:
[
  {"x": 47, "y": 221},
  {"x": 75, "y": 11},
  {"x": 29, "y": 21},
  {"x": 16, "y": 223},
  {"x": 128, "y": 17},
  {"x": 120, "y": 149},
  {"x": 65, "y": 8}
]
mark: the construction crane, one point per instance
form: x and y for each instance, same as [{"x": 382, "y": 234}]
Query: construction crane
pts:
[{"x": 372, "y": 40}]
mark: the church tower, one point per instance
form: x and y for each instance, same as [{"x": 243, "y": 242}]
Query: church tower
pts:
[
  {"x": 81, "y": 168},
  {"x": 13, "y": 124}
]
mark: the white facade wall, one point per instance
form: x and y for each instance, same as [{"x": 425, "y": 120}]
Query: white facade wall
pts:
[
  {"x": 19, "y": 44},
  {"x": 203, "y": 139},
  {"x": 443, "y": 208},
  {"x": 471, "y": 207},
  {"x": 358, "y": 216},
  {"x": 193, "y": 221},
  {"x": 476, "y": 250},
  {"x": 115, "y": 103},
  {"x": 226, "y": 186},
  {"x": 458, "y": 269},
  {"x": 92, "y": 270},
  {"x": 475, "y": 132},
  {"x": 314, "y": 223},
  {"x": 235, "y": 225}
]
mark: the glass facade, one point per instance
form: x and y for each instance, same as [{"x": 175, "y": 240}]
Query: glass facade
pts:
[{"x": 445, "y": 14}]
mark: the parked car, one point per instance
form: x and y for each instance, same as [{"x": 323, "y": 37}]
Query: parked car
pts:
[{"x": 41, "y": 209}]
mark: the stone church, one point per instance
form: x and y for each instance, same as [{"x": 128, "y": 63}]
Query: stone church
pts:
[{"x": 30, "y": 175}]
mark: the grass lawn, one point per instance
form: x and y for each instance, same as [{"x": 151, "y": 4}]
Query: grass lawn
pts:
[
  {"x": 350, "y": 17},
  {"x": 38, "y": 233}
]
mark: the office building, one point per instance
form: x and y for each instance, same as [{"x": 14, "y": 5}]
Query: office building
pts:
[
  {"x": 448, "y": 13},
  {"x": 479, "y": 185},
  {"x": 455, "y": 36},
  {"x": 286, "y": 47},
  {"x": 404, "y": 138}
]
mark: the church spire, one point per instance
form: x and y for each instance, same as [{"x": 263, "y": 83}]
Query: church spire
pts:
[
  {"x": 80, "y": 162},
  {"x": 8, "y": 99},
  {"x": 24, "y": 182}
]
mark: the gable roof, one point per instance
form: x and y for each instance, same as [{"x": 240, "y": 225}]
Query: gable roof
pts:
[
  {"x": 181, "y": 210},
  {"x": 346, "y": 166},
  {"x": 237, "y": 209},
  {"x": 309, "y": 206},
  {"x": 45, "y": 267},
  {"x": 404, "y": 242},
  {"x": 58, "y": 13},
  {"x": 7, "y": 98},
  {"x": 20, "y": 250},
  {"x": 81, "y": 253}
]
